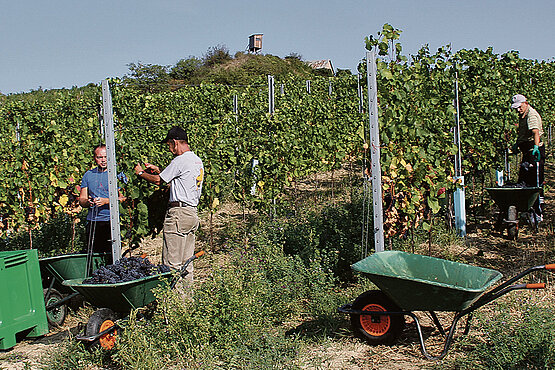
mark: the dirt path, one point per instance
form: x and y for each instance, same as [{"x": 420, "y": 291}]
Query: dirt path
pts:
[{"x": 483, "y": 247}]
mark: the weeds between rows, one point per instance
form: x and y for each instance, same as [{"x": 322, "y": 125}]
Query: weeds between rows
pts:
[{"x": 268, "y": 296}]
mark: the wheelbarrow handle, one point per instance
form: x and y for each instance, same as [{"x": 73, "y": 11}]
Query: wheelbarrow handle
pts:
[
  {"x": 550, "y": 266},
  {"x": 535, "y": 286},
  {"x": 183, "y": 272}
]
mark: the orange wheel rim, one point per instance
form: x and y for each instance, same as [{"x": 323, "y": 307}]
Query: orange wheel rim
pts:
[
  {"x": 375, "y": 325},
  {"x": 108, "y": 341}
]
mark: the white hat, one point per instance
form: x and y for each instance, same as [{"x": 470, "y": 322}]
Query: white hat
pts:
[{"x": 518, "y": 100}]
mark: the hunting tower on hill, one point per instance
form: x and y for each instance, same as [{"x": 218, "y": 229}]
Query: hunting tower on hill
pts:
[{"x": 255, "y": 43}]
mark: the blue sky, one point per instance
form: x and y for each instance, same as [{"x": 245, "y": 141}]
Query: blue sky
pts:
[{"x": 65, "y": 43}]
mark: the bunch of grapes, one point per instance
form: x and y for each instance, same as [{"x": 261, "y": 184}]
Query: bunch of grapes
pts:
[{"x": 125, "y": 269}]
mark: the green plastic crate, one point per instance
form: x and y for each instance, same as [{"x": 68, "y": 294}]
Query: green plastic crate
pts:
[
  {"x": 421, "y": 283},
  {"x": 22, "y": 309}
]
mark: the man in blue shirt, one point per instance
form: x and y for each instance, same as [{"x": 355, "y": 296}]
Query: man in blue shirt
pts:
[{"x": 95, "y": 196}]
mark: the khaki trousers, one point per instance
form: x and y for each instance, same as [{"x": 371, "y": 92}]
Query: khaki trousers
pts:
[{"x": 180, "y": 225}]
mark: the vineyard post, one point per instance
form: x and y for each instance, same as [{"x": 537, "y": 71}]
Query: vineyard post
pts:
[
  {"x": 459, "y": 200},
  {"x": 236, "y": 109},
  {"x": 375, "y": 150},
  {"x": 112, "y": 179},
  {"x": 271, "y": 94},
  {"x": 359, "y": 93},
  {"x": 308, "y": 86}
]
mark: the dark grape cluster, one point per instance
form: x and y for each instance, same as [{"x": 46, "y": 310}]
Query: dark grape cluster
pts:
[
  {"x": 125, "y": 269},
  {"x": 514, "y": 185}
]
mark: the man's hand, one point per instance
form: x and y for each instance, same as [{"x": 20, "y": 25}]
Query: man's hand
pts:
[
  {"x": 150, "y": 168},
  {"x": 138, "y": 169},
  {"x": 98, "y": 202},
  {"x": 536, "y": 153}
]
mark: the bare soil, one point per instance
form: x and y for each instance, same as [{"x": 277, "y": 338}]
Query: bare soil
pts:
[{"x": 482, "y": 247}]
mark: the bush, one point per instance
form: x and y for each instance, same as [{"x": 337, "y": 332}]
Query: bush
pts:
[
  {"x": 520, "y": 335},
  {"x": 239, "y": 315},
  {"x": 60, "y": 235},
  {"x": 331, "y": 236}
]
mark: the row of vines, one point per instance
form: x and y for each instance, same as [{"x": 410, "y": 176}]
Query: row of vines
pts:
[{"x": 47, "y": 146}]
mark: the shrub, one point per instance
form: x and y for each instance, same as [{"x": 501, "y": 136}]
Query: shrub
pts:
[{"x": 519, "y": 335}]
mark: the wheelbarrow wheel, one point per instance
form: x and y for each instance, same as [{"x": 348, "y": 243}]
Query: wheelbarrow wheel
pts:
[
  {"x": 56, "y": 315},
  {"x": 376, "y": 329},
  {"x": 99, "y": 321},
  {"x": 512, "y": 228}
]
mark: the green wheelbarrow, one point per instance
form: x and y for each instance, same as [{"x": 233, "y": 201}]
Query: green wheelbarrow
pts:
[
  {"x": 411, "y": 282},
  {"x": 512, "y": 201},
  {"x": 54, "y": 270},
  {"x": 115, "y": 301}
]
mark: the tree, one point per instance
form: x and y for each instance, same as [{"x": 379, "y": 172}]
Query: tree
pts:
[
  {"x": 150, "y": 77},
  {"x": 216, "y": 55},
  {"x": 184, "y": 69},
  {"x": 294, "y": 55}
]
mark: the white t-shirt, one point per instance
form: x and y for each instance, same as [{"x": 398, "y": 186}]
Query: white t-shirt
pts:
[{"x": 185, "y": 174}]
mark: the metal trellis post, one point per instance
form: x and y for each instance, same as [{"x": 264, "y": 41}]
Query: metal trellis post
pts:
[
  {"x": 112, "y": 175},
  {"x": 236, "y": 107},
  {"x": 376, "y": 171},
  {"x": 459, "y": 196},
  {"x": 270, "y": 94}
]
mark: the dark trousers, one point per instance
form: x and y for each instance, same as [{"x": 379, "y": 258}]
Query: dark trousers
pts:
[
  {"x": 532, "y": 172},
  {"x": 99, "y": 234}
]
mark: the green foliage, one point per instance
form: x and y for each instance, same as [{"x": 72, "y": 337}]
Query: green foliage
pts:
[
  {"x": 308, "y": 133},
  {"x": 185, "y": 69},
  {"x": 521, "y": 335},
  {"x": 239, "y": 314},
  {"x": 147, "y": 77},
  {"x": 331, "y": 236},
  {"x": 62, "y": 234}
]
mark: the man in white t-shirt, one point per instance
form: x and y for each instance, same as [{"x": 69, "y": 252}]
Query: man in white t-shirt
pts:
[{"x": 185, "y": 175}]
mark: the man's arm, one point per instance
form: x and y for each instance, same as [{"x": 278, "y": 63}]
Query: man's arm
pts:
[
  {"x": 536, "y": 134},
  {"x": 85, "y": 202},
  {"x": 84, "y": 198},
  {"x": 150, "y": 177}
]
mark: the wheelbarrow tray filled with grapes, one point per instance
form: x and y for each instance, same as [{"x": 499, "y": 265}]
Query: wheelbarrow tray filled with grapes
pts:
[
  {"x": 54, "y": 270},
  {"x": 115, "y": 301},
  {"x": 512, "y": 201},
  {"x": 410, "y": 282}
]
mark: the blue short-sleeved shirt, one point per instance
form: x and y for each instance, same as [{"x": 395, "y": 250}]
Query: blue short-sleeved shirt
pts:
[{"x": 96, "y": 183}]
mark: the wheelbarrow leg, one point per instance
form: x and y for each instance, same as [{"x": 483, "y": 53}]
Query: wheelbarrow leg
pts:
[
  {"x": 437, "y": 323},
  {"x": 512, "y": 223},
  {"x": 448, "y": 340}
]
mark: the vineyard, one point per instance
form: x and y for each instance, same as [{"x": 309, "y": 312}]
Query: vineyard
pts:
[
  {"x": 251, "y": 155},
  {"x": 272, "y": 285}
]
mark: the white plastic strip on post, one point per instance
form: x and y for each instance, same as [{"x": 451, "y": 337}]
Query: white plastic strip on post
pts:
[
  {"x": 112, "y": 175},
  {"x": 460, "y": 206},
  {"x": 376, "y": 171}
]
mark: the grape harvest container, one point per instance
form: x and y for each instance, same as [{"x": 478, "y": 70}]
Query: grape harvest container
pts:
[
  {"x": 54, "y": 270},
  {"x": 511, "y": 201},
  {"x": 115, "y": 301},
  {"x": 22, "y": 311},
  {"x": 410, "y": 282}
]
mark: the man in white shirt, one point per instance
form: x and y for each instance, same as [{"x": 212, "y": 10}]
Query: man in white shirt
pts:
[{"x": 185, "y": 175}]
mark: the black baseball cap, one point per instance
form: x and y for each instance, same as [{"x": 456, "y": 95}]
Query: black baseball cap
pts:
[{"x": 176, "y": 133}]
